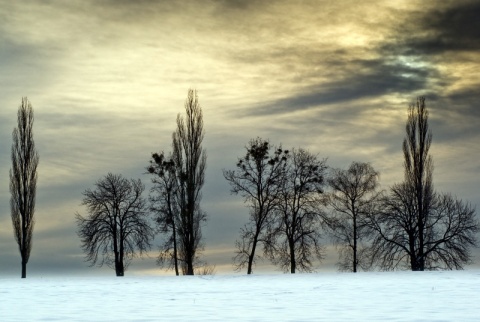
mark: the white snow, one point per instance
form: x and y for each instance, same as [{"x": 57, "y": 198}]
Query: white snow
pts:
[{"x": 382, "y": 296}]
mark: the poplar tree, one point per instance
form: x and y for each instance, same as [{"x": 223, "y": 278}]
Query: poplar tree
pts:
[{"x": 23, "y": 182}]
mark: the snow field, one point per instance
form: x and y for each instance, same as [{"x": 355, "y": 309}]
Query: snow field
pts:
[{"x": 385, "y": 296}]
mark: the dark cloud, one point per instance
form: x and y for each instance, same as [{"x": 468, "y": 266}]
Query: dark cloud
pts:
[
  {"x": 455, "y": 28},
  {"x": 373, "y": 79},
  {"x": 440, "y": 37},
  {"x": 451, "y": 28}
]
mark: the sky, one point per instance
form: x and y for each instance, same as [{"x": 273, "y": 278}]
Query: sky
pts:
[{"x": 107, "y": 79}]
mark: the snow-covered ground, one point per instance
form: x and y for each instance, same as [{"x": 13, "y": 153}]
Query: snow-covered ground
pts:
[{"x": 386, "y": 296}]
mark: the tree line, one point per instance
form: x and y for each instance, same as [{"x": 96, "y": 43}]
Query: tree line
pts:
[{"x": 295, "y": 202}]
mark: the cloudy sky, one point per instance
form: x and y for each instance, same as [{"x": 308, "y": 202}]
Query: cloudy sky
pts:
[{"x": 107, "y": 79}]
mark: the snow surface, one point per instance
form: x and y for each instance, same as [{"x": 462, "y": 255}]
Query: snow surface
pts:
[{"x": 386, "y": 296}]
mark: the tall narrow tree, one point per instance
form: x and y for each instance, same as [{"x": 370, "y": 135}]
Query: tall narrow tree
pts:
[
  {"x": 417, "y": 227},
  {"x": 418, "y": 166},
  {"x": 190, "y": 160},
  {"x": 411, "y": 202},
  {"x": 23, "y": 181}
]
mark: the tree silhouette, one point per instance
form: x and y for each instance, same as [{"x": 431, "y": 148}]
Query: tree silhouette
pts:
[
  {"x": 352, "y": 199},
  {"x": 257, "y": 179},
  {"x": 298, "y": 216},
  {"x": 164, "y": 203},
  {"x": 190, "y": 159},
  {"x": 117, "y": 226},
  {"x": 176, "y": 193},
  {"x": 23, "y": 182},
  {"x": 418, "y": 228},
  {"x": 418, "y": 165}
]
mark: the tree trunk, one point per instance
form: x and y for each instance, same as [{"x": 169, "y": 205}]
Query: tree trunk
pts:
[
  {"x": 121, "y": 267},
  {"x": 252, "y": 254},
  {"x": 175, "y": 253},
  {"x": 414, "y": 262},
  {"x": 420, "y": 257},
  {"x": 189, "y": 255},
  {"x": 190, "y": 267},
  {"x": 412, "y": 253},
  {"x": 419, "y": 263},
  {"x": 354, "y": 241},
  {"x": 119, "y": 270},
  {"x": 24, "y": 269},
  {"x": 250, "y": 262},
  {"x": 293, "y": 264},
  {"x": 23, "y": 253},
  {"x": 421, "y": 227}
]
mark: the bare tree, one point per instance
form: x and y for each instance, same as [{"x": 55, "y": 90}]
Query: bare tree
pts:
[
  {"x": 117, "y": 226},
  {"x": 257, "y": 179},
  {"x": 164, "y": 204},
  {"x": 352, "y": 199},
  {"x": 23, "y": 182},
  {"x": 450, "y": 232},
  {"x": 298, "y": 214},
  {"x": 190, "y": 160},
  {"x": 418, "y": 228}
]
